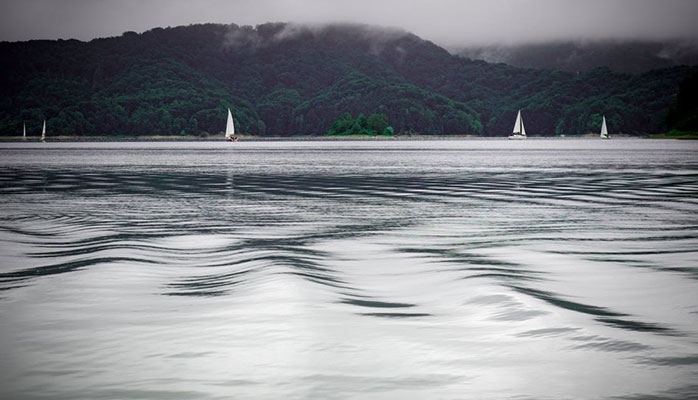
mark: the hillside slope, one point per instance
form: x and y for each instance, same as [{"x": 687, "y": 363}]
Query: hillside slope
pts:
[
  {"x": 580, "y": 56},
  {"x": 283, "y": 79}
]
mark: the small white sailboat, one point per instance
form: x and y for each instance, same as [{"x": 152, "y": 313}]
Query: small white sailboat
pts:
[
  {"x": 24, "y": 131},
  {"x": 43, "y": 133},
  {"x": 230, "y": 129},
  {"x": 519, "y": 131},
  {"x": 604, "y": 130}
]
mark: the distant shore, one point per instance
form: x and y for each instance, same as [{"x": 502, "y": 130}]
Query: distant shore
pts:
[
  {"x": 217, "y": 138},
  {"x": 179, "y": 138},
  {"x": 676, "y": 135}
]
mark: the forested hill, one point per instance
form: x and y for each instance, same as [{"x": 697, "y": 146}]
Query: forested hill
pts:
[
  {"x": 632, "y": 56},
  {"x": 282, "y": 79}
]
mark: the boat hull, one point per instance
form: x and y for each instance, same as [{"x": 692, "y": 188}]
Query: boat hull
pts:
[{"x": 517, "y": 137}]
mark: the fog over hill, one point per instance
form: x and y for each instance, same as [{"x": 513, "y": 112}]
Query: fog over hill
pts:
[{"x": 623, "y": 56}]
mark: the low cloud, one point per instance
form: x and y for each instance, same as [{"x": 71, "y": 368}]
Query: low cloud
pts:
[
  {"x": 261, "y": 36},
  {"x": 446, "y": 22}
]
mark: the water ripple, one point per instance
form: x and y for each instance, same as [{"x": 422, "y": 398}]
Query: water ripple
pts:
[{"x": 443, "y": 268}]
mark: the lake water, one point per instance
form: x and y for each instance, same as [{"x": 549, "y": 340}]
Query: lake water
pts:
[{"x": 471, "y": 269}]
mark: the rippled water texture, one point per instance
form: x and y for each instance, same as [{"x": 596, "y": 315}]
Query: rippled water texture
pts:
[{"x": 474, "y": 269}]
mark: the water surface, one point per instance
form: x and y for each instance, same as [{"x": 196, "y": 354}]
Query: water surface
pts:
[{"x": 472, "y": 269}]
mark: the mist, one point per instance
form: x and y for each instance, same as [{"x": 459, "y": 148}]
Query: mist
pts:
[{"x": 446, "y": 22}]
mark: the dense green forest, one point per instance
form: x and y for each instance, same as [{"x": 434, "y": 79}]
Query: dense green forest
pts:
[
  {"x": 374, "y": 124},
  {"x": 683, "y": 115},
  {"x": 283, "y": 80}
]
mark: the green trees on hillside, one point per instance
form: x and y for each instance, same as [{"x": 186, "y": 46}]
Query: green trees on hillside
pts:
[
  {"x": 375, "y": 124},
  {"x": 683, "y": 115},
  {"x": 282, "y": 80}
]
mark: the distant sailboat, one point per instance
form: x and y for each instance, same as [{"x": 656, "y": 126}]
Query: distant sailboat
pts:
[
  {"x": 43, "y": 133},
  {"x": 604, "y": 130},
  {"x": 230, "y": 129},
  {"x": 24, "y": 131},
  {"x": 519, "y": 131}
]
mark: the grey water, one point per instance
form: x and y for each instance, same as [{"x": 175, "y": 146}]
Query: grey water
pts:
[{"x": 450, "y": 269}]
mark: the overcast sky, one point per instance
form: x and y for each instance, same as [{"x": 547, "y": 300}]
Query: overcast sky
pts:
[{"x": 446, "y": 22}]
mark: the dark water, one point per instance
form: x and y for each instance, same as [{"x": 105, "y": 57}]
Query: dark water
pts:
[{"x": 481, "y": 269}]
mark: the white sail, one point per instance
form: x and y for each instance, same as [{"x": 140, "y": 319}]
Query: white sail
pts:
[
  {"x": 24, "y": 131},
  {"x": 43, "y": 132},
  {"x": 604, "y": 130},
  {"x": 519, "y": 131},
  {"x": 229, "y": 126},
  {"x": 517, "y": 124}
]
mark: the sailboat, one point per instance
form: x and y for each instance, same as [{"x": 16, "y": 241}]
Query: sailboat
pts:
[
  {"x": 519, "y": 131},
  {"x": 604, "y": 130},
  {"x": 43, "y": 133},
  {"x": 24, "y": 131},
  {"x": 230, "y": 129}
]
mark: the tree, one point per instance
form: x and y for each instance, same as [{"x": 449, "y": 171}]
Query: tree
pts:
[
  {"x": 375, "y": 124},
  {"x": 683, "y": 115}
]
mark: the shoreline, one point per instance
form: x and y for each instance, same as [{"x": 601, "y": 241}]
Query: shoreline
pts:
[
  {"x": 177, "y": 138},
  {"x": 675, "y": 136}
]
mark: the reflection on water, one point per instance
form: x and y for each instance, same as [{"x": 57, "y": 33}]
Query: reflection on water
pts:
[{"x": 447, "y": 269}]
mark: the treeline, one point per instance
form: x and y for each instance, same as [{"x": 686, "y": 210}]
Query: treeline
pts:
[
  {"x": 683, "y": 115},
  {"x": 282, "y": 80},
  {"x": 375, "y": 124}
]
